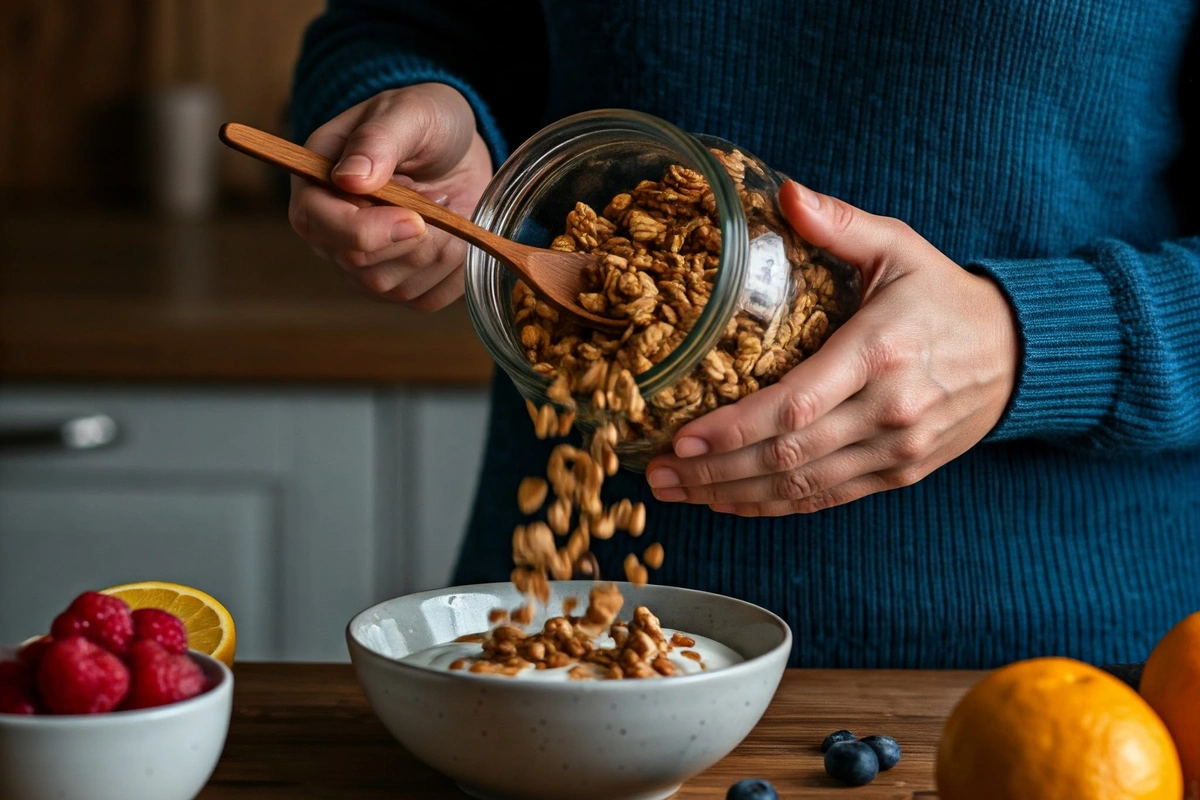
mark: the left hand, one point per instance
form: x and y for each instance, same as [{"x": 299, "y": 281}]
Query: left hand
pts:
[{"x": 916, "y": 377}]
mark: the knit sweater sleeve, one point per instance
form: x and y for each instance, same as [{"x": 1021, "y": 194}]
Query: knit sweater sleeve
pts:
[
  {"x": 1111, "y": 334},
  {"x": 1111, "y": 347},
  {"x": 493, "y": 53}
]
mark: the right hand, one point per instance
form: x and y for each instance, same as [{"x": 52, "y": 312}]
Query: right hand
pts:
[{"x": 425, "y": 137}]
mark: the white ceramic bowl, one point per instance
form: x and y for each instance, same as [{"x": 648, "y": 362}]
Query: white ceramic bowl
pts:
[
  {"x": 507, "y": 739},
  {"x": 162, "y": 753}
]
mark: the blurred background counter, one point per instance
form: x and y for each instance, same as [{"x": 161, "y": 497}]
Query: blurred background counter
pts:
[{"x": 283, "y": 441}]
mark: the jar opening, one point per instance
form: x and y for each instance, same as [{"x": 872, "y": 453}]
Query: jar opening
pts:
[{"x": 591, "y": 157}]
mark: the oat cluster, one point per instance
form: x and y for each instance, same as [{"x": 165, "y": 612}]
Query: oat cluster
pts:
[
  {"x": 640, "y": 648},
  {"x": 576, "y": 512},
  {"x": 659, "y": 250}
]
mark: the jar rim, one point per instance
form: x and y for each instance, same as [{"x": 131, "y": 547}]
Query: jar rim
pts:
[{"x": 491, "y": 214}]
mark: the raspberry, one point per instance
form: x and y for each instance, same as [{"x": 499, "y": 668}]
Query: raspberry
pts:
[
  {"x": 160, "y": 677},
  {"x": 31, "y": 653},
  {"x": 76, "y": 676},
  {"x": 156, "y": 625},
  {"x": 16, "y": 688},
  {"x": 99, "y": 618},
  {"x": 15, "y": 673},
  {"x": 15, "y": 700}
]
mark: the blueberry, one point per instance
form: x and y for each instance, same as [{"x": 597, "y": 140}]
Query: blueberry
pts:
[
  {"x": 854, "y": 763},
  {"x": 752, "y": 789},
  {"x": 834, "y": 738},
  {"x": 887, "y": 750}
]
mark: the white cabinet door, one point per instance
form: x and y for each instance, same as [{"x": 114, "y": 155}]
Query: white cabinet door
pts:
[
  {"x": 266, "y": 499},
  {"x": 442, "y": 441},
  {"x": 66, "y": 536}
]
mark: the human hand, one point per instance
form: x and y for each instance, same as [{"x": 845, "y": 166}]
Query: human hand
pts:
[
  {"x": 916, "y": 377},
  {"x": 424, "y": 135}
]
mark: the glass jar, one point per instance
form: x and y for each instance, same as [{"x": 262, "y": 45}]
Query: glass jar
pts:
[{"x": 769, "y": 289}]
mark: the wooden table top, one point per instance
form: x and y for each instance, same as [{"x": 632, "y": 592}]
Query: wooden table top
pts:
[
  {"x": 306, "y": 731},
  {"x": 87, "y": 297}
]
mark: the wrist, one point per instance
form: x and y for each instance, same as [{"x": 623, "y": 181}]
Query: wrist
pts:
[{"x": 998, "y": 326}]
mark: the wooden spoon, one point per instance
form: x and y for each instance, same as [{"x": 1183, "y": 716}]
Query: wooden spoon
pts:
[{"x": 555, "y": 276}]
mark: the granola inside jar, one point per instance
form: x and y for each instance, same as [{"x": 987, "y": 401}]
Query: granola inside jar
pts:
[{"x": 721, "y": 297}]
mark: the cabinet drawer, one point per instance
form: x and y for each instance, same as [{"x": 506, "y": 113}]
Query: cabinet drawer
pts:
[
  {"x": 192, "y": 430},
  {"x": 266, "y": 498}
]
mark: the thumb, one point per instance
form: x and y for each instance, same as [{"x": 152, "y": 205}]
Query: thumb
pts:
[
  {"x": 369, "y": 156},
  {"x": 862, "y": 239},
  {"x": 422, "y": 131}
]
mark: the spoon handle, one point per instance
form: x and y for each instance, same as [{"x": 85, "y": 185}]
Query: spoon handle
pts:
[{"x": 307, "y": 164}]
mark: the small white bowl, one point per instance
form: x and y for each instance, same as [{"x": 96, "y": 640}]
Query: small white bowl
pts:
[
  {"x": 162, "y": 753},
  {"x": 511, "y": 739}
]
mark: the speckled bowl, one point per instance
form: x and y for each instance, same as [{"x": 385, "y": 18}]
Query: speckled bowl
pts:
[{"x": 506, "y": 739}]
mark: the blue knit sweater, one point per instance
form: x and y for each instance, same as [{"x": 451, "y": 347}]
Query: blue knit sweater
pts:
[{"x": 1052, "y": 145}]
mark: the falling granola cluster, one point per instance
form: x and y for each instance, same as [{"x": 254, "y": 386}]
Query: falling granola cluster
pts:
[
  {"x": 576, "y": 511},
  {"x": 578, "y": 514},
  {"x": 659, "y": 250},
  {"x": 640, "y": 647}
]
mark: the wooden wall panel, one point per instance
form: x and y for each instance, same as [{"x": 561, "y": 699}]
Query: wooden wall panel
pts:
[
  {"x": 74, "y": 72},
  {"x": 67, "y": 65},
  {"x": 257, "y": 42}
]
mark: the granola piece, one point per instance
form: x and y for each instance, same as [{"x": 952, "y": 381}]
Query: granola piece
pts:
[
  {"x": 682, "y": 640},
  {"x": 604, "y": 603},
  {"x": 635, "y": 573},
  {"x": 531, "y": 494}
]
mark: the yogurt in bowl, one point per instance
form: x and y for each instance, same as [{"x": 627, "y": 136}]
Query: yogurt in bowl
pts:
[
  {"x": 709, "y": 655},
  {"x": 537, "y": 737}
]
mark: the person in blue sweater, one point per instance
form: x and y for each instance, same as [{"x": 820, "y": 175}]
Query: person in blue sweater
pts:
[{"x": 998, "y": 456}]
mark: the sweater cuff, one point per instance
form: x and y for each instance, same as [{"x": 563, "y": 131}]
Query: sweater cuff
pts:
[
  {"x": 1070, "y": 336},
  {"x": 328, "y": 86}
]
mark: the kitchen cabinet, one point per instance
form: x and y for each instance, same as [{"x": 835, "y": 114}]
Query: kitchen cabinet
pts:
[
  {"x": 286, "y": 441},
  {"x": 296, "y": 506}
]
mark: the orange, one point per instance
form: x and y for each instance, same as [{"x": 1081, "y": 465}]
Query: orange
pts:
[
  {"x": 209, "y": 624},
  {"x": 1055, "y": 729},
  {"x": 1171, "y": 685}
]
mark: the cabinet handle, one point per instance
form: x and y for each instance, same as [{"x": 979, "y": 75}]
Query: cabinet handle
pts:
[{"x": 77, "y": 433}]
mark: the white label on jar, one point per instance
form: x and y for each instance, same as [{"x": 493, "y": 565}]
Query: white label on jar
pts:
[{"x": 768, "y": 277}]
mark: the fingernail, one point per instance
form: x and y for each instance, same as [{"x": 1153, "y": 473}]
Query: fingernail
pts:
[
  {"x": 353, "y": 166},
  {"x": 690, "y": 446},
  {"x": 723, "y": 508},
  {"x": 807, "y": 196},
  {"x": 661, "y": 478},
  {"x": 405, "y": 229},
  {"x": 671, "y": 495}
]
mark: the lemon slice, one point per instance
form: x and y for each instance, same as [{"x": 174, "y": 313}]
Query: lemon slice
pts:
[{"x": 209, "y": 624}]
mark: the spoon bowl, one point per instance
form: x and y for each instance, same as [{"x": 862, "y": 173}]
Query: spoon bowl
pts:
[{"x": 556, "y": 277}]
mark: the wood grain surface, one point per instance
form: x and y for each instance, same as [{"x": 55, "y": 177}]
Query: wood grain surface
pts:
[
  {"x": 128, "y": 298},
  {"x": 306, "y": 731}
]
